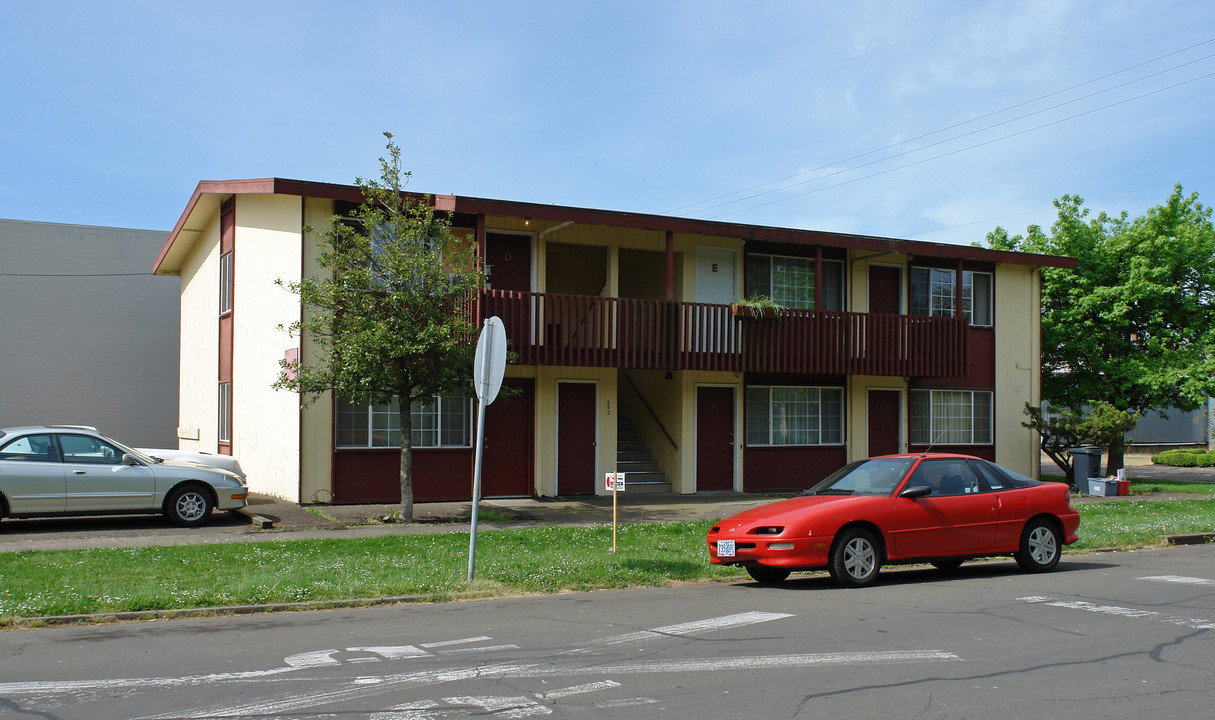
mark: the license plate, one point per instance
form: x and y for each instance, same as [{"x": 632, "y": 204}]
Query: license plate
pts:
[{"x": 725, "y": 548}]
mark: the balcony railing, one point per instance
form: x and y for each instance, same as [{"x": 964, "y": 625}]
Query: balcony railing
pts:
[{"x": 588, "y": 331}]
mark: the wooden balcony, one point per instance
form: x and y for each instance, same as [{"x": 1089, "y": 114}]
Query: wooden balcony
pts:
[{"x": 587, "y": 331}]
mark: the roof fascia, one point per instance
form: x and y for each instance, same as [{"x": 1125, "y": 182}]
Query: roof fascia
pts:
[{"x": 614, "y": 218}]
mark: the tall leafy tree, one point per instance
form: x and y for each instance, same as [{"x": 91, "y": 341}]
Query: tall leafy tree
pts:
[
  {"x": 389, "y": 318},
  {"x": 1134, "y": 325}
]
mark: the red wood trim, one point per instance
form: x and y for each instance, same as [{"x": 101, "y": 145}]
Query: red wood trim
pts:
[{"x": 557, "y": 213}]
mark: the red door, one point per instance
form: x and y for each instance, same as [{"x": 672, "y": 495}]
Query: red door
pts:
[
  {"x": 714, "y": 438},
  {"x": 883, "y": 422},
  {"x": 575, "y": 438},
  {"x": 506, "y": 461},
  {"x": 509, "y": 261},
  {"x": 885, "y": 291}
]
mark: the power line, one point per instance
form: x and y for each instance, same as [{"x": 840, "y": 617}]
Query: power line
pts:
[
  {"x": 945, "y": 129},
  {"x": 1038, "y": 210},
  {"x": 955, "y": 152}
]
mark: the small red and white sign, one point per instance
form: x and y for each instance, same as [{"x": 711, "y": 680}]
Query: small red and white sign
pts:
[{"x": 613, "y": 482}]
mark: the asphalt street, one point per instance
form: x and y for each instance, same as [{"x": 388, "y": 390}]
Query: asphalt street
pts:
[{"x": 1117, "y": 635}]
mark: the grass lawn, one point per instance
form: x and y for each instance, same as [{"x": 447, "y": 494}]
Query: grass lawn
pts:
[{"x": 540, "y": 559}]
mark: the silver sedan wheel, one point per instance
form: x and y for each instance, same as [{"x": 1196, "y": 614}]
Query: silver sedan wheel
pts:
[{"x": 189, "y": 506}]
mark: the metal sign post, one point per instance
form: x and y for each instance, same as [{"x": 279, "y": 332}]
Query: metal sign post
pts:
[{"x": 489, "y": 366}]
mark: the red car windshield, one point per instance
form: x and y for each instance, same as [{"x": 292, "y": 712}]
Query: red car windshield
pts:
[{"x": 875, "y": 476}]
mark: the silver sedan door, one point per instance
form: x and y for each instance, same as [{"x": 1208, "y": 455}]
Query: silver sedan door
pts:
[
  {"x": 31, "y": 475},
  {"x": 97, "y": 479}
]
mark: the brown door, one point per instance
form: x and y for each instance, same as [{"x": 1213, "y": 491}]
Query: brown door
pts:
[
  {"x": 885, "y": 289},
  {"x": 883, "y": 423},
  {"x": 506, "y": 461},
  {"x": 575, "y": 438},
  {"x": 509, "y": 261},
  {"x": 714, "y": 438}
]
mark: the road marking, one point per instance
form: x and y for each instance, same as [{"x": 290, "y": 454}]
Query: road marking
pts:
[
  {"x": 462, "y": 641},
  {"x": 578, "y": 690},
  {"x": 483, "y": 648},
  {"x": 507, "y": 707},
  {"x": 690, "y": 629},
  {"x": 1179, "y": 579},
  {"x": 1193, "y": 623},
  {"x": 755, "y": 662}
]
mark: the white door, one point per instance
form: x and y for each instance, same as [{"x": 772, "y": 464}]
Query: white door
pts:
[
  {"x": 716, "y": 278},
  {"x": 716, "y": 283}
]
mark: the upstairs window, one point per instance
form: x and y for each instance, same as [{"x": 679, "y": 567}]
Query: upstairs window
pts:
[
  {"x": 225, "y": 283},
  {"x": 932, "y": 294},
  {"x": 779, "y": 415},
  {"x": 789, "y": 281}
]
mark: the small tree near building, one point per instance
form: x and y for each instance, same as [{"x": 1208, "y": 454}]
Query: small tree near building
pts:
[{"x": 391, "y": 320}]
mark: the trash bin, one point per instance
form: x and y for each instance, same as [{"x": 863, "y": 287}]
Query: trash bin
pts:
[{"x": 1086, "y": 463}]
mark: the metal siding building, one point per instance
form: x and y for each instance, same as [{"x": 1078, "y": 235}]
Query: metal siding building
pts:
[{"x": 87, "y": 334}]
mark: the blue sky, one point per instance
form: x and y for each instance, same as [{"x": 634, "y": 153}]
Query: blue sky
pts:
[{"x": 847, "y": 116}]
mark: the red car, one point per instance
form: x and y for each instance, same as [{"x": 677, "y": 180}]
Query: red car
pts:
[{"x": 938, "y": 508}]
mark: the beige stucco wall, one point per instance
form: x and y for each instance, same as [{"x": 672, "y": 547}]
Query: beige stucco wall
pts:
[
  {"x": 265, "y": 421},
  {"x": 1018, "y": 365},
  {"x": 198, "y": 404},
  {"x": 689, "y": 380},
  {"x": 856, "y": 412},
  {"x": 316, "y": 419},
  {"x": 547, "y": 379},
  {"x": 664, "y": 398}
]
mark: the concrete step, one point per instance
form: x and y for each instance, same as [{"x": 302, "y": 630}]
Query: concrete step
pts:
[
  {"x": 622, "y": 456},
  {"x": 637, "y": 466},
  {"x": 646, "y": 488}
]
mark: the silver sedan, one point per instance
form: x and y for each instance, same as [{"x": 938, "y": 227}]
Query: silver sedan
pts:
[{"x": 74, "y": 470}]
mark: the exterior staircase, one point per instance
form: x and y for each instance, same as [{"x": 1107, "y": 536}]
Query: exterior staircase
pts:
[{"x": 634, "y": 459}]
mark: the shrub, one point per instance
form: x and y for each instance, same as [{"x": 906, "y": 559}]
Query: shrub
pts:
[{"x": 1189, "y": 457}]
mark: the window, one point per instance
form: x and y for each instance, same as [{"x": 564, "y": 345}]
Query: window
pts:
[
  {"x": 789, "y": 281},
  {"x": 225, "y": 412},
  {"x": 444, "y": 421},
  {"x": 30, "y": 448},
  {"x": 932, "y": 293},
  {"x": 794, "y": 415},
  {"x": 950, "y": 417},
  {"x": 225, "y": 283},
  {"x": 946, "y": 477},
  {"x": 87, "y": 450}
]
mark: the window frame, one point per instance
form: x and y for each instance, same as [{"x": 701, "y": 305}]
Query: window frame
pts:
[
  {"x": 226, "y": 284},
  {"x": 938, "y": 431},
  {"x": 819, "y": 426},
  {"x": 224, "y": 431},
  {"x": 754, "y": 261},
  {"x": 440, "y": 427},
  {"x": 937, "y": 279}
]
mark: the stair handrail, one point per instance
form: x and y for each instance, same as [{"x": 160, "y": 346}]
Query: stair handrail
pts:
[{"x": 648, "y": 409}]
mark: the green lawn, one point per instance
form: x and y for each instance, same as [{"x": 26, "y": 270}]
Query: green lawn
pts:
[{"x": 526, "y": 560}]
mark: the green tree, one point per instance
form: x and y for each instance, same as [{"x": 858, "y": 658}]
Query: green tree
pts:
[
  {"x": 389, "y": 318},
  {"x": 1133, "y": 325}
]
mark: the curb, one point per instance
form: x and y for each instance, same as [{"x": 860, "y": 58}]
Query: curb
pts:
[
  {"x": 130, "y": 615},
  {"x": 1194, "y": 539}
]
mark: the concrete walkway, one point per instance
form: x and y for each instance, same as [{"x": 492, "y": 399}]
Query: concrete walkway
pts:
[{"x": 270, "y": 519}]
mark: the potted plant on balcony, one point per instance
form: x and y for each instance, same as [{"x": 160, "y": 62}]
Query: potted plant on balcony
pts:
[{"x": 756, "y": 306}]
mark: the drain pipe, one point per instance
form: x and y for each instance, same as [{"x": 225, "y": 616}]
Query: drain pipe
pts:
[{"x": 554, "y": 229}]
